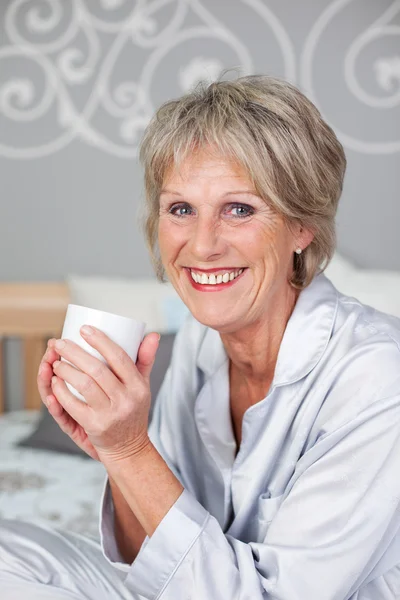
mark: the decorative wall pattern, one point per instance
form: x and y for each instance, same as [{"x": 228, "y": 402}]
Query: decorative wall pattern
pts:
[
  {"x": 385, "y": 70},
  {"x": 73, "y": 54},
  {"x": 87, "y": 70}
]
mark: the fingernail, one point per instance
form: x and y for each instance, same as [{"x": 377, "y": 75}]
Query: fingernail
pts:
[
  {"x": 47, "y": 400},
  {"x": 87, "y": 330},
  {"x": 60, "y": 344},
  {"x": 56, "y": 363},
  {"x": 54, "y": 380}
]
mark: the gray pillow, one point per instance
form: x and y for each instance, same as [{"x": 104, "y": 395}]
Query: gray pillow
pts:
[{"x": 48, "y": 435}]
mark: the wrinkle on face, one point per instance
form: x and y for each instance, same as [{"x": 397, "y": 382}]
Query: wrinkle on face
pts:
[{"x": 252, "y": 314}]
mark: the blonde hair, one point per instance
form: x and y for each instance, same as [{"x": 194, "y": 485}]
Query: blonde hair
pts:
[{"x": 293, "y": 158}]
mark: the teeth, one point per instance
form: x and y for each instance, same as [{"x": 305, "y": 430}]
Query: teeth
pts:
[{"x": 212, "y": 279}]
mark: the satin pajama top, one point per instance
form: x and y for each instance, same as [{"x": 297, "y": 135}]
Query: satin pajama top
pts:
[{"x": 309, "y": 509}]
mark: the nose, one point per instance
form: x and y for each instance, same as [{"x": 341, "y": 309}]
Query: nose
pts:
[{"x": 206, "y": 240}]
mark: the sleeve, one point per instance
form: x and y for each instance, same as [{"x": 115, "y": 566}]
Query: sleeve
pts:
[
  {"x": 329, "y": 536},
  {"x": 161, "y": 433},
  {"x": 106, "y": 529},
  {"x": 165, "y": 448}
]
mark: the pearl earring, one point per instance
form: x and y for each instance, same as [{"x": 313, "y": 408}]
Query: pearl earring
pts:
[{"x": 298, "y": 251}]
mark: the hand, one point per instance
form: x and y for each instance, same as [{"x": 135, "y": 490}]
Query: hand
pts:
[
  {"x": 118, "y": 396},
  {"x": 63, "y": 419}
]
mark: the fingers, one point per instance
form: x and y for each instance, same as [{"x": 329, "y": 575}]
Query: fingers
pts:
[
  {"x": 147, "y": 354},
  {"x": 69, "y": 426},
  {"x": 92, "y": 366},
  {"x": 66, "y": 423},
  {"x": 78, "y": 410},
  {"x": 63, "y": 419},
  {"x": 45, "y": 372},
  {"x": 118, "y": 360},
  {"x": 82, "y": 382},
  {"x": 58, "y": 413}
]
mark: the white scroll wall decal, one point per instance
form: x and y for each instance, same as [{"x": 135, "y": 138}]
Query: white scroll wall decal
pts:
[
  {"x": 386, "y": 71},
  {"x": 75, "y": 49}
]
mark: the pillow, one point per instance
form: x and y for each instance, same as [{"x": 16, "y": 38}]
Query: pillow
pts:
[
  {"x": 135, "y": 298},
  {"x": 48, "y": 435},
  {"x": 377, "y": 288},
  {"x": 174, "y": 312}
]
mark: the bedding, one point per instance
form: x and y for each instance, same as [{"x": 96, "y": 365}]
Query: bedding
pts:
[
  {"x": 377, "y": 288},
  {"x": 143, "y": 298},
  {"x": 48, "y": 488}
]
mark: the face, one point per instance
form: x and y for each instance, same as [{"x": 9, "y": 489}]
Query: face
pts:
[{"x": 212, "y": 219}]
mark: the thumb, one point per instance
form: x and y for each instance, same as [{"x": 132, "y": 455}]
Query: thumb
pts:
[{"x": 147, "y": 353}]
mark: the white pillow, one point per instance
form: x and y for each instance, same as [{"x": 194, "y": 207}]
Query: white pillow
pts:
[
  {"x": 142, "y": 298},
  {"x": 377, "y": 288}
]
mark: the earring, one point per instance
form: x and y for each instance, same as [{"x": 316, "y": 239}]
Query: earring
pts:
[{"x": 298, "y": 251}]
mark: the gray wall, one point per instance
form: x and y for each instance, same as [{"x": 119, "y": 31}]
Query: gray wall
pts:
[{"x": 80, "y": 79}]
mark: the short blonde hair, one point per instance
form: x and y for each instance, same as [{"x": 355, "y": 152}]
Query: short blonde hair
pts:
[{"x": 293, "y": 158}]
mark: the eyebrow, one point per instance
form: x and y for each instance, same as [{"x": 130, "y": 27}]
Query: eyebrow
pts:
[{"x": 233, "y": 193}]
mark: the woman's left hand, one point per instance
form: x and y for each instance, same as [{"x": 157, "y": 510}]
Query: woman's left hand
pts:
[{"x": 118, "y": 396}]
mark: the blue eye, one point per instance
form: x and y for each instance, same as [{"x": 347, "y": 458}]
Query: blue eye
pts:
[
  {"x": 177, "y": 207},
  {"x": 249, "y": 210}
]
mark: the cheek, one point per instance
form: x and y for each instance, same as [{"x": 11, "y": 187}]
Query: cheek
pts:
[
  {"x": 170, "y": 238},
  {"x": 267, "y": 242},
  {"x": 164, "y": 246},
  {"x": 263, "y": 238},
  {"x": 165, "y": 231}
]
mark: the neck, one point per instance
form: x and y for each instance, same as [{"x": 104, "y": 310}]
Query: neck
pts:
[{"x": 253, "y": 349}]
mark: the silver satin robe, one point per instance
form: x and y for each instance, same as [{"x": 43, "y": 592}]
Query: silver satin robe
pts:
[{"x": 310, "y": 507}]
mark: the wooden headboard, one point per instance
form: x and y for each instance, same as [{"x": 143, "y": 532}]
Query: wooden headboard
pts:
[{"x": 34, "y": 313}]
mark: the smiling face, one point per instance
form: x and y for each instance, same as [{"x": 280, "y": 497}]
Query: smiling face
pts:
[{"x": 211, "y": 218}]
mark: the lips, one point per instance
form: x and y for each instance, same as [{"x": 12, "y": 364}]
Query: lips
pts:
[
  {"x": 213, "y": 287},
  {"x": 221, "y": 270}
]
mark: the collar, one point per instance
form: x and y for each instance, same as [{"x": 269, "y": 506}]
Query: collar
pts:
[{"x": 304, "y": 341}]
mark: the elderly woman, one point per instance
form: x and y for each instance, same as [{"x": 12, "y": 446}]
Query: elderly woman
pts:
[{"x": 271, "y": 465}]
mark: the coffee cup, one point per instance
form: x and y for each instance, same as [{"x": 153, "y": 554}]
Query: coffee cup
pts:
[{"x": 126, "y": 332}]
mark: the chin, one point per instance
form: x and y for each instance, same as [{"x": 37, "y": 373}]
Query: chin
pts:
[{"x": 220, "y": 323}]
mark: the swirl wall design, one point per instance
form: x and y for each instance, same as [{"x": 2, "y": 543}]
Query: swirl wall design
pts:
[
  {"x": 75, "y": 48},
  {"x": 70, "y": 81},
  {"x": 385, "y": 72}
]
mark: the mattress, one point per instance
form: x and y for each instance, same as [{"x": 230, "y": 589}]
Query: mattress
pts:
[{"x": 40, "y": 486}]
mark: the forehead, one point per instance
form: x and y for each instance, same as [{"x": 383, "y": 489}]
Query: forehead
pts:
[{"x": 210, "y": 166}]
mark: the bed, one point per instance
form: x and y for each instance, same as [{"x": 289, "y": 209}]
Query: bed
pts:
[
  {"x": 49, "y": 488},
  {"x": 41, "y": 486}
]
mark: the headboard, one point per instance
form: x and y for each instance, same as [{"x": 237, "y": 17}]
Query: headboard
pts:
[{"x": 34, "y": 313}]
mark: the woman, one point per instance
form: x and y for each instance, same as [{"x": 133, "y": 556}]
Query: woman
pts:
[{"x": 270, "y": 468}]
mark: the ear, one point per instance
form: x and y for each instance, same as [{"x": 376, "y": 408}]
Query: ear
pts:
[{"x": 304, "y": 237}]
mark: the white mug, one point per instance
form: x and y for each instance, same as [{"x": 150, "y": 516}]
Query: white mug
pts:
[{"x": 127, "y": 333}]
